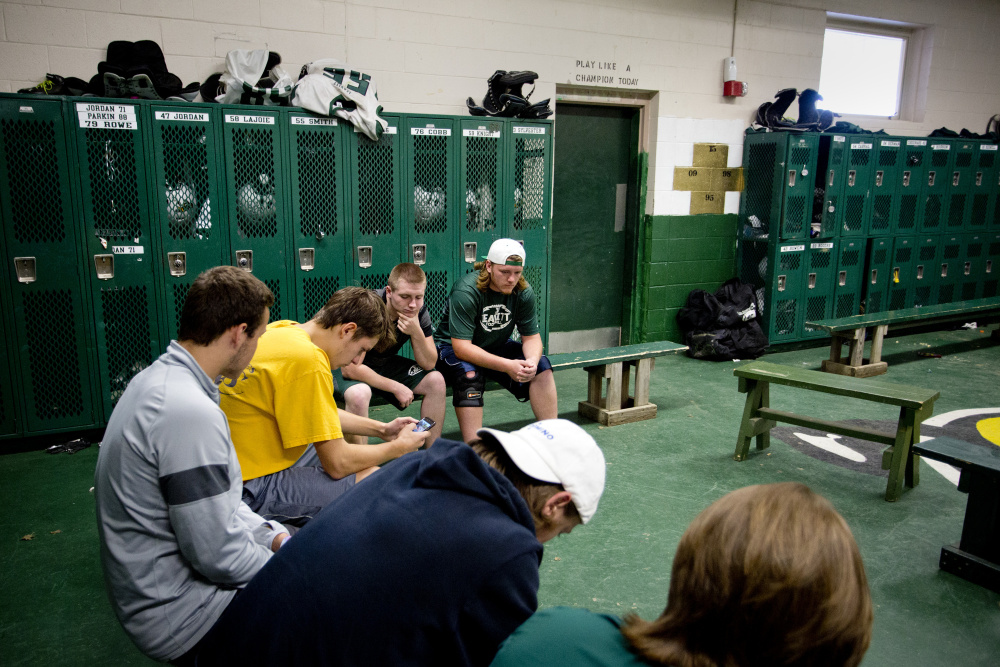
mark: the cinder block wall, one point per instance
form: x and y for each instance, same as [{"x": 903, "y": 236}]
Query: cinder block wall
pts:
[
  {"x": 428, "y": 56},
  {"x": 683, "y": 253}
]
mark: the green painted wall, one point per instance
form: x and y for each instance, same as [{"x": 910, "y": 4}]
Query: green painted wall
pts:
[{"x": 682, "y": 253}]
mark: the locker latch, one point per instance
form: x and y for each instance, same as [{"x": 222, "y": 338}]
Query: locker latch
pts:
[
  {"x": 832, "y": 172},
  {"x": 419, "y": 253},
  {"x": 930, "y": 178},
  {"x": 307, "y": 259},
  {"x": 944, "y": 270},
  {"x": 968, "y": 268},
  {"x": 979, "y": 179},
  {"x": 25, "y": 268},
  {"x": 842, "y": 278},
  {"x": 791, "y": 178},
  {"x": 364, "y": 256},
  {"x": 874, "y": 276},
  {"x": 851, "y": 176},
  {"x": 469, "y": 251},
  {"x": 878, "y": 178},
  {"x": 989, "y": 266},
  {"x": 177, "y": 263},
  {"x": 105, "y": 266},
  {"x": 895, "y": 275},
  {"x": 244, "y": 260},
  {"x": 906, "y": 179},
  {"x": 812, "y": 281},
  {"x": 781, "y": 283},
  {"x": 920, "y": 273}
]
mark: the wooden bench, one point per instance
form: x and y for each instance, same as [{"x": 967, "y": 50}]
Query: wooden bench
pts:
[
  {"x": 852, "y": 330},
  {"x": 976, "y": 557},
  {"x": 614, "y": 364},
  {"x": 915, "y": 405}
]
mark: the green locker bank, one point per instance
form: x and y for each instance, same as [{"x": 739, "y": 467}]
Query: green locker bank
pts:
[{"x": 141, "y": 196}]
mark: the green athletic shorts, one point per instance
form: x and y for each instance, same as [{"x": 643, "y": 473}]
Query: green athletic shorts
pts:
[{"x": 402, "y": 370}]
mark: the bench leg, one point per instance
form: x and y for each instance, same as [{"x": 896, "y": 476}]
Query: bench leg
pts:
[
  {"x": 643, "y": 370},
  {"x": 615, "y": 387},
  {"x": 899, "y": 455},
  {"x": 857, "y": 349},
  {"x": 757, "y": 397},
  {"x": 877, "y": 336}
]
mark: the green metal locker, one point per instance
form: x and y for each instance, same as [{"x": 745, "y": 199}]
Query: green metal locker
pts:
[
  {"x": 850, "y": 277},
  {"x": 111, "y": 154},
  {"x": 819, "y": 286},
  {"x": 51, "y": 324},
  {"x": 480, "y": 184},
  {"x": 431, "y": 196},
  {"x": 529, "y": 196},
  {"x": 984, "y": 188},
  {"x": 785, "y": 284},
  {"x": 962, "y": 174},
  {"x": 990, "y": 284},
  {"x": 831, "y": 175},
  {"x": 926, "y": 272},
  {"x": 949, "y": 289},
  {"x": 877, "y": 266},
  {"x": 799, "y": 186},
  {"x": 909, "y": 187},
  {"x": 256, "y": 210},
  {"x": 890, "y": 158},
  {"x": 901, "y": 271},
  {"x": 321, "y": 235},
  {"x": 9, "y": 422},
  {"x": 936, "y": 187},
  {"x": 858, "y": 185},
  {"x": 187, "y": 187},
  {"x": 975, "y": 248},
  {"x": 377, "y": 214}
]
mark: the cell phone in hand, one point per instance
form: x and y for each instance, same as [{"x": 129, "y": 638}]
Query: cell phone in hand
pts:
[{"x": 424, "y": 424}]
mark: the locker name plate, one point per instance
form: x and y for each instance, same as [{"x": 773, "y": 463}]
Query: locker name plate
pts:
[
  {"x": 793, "y": 248},
  {"x": 302, "y": 120},
  {"x": 128, "y": 250},
  {"x": 106, "y": 116},
  {"x": 481, "y": 132},
  {"x": 185, "y": 116},
  {"x": 527, "y": 130},
  {"x": 249, "y": 120},
  {"x": 988, "y": 147},
  {"x": 430, "y": 131}
]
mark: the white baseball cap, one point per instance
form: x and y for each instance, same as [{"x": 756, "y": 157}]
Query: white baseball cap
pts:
[
  {"x": 559, "y": 452},
  {"x": 504, "y": 248}
]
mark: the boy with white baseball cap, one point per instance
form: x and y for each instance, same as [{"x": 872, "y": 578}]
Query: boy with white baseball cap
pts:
[
  {"x": 432, "y": 561},
  {"x": 474, "y": 339}
]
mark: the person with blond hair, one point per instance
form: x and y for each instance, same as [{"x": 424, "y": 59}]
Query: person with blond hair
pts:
[
  {"x": 474, "y": 339},
  {"x": 767, "y": 575},
  {"x": 387, "y": 374}
]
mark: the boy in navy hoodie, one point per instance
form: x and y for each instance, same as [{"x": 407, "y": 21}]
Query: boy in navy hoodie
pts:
[{"x": 434, "y": 560}]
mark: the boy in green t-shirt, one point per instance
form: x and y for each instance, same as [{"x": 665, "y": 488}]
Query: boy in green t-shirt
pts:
[{"x": 473, "y": 339}]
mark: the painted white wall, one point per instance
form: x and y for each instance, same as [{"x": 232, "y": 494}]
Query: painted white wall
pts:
[{"x": 429, "y": 55}]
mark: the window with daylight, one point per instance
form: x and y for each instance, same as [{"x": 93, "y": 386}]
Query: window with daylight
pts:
[{"x": 873, "y": 68}]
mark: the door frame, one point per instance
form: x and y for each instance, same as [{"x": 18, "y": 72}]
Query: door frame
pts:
[{"x": 646, "y": 102}]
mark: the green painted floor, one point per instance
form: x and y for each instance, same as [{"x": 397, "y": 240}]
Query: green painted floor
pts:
[{"x": 661, "y": 473}]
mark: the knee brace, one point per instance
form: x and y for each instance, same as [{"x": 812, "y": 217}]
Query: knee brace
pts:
[{"x": 467, "y": 392}]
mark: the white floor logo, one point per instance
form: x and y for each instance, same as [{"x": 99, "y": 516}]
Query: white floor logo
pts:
[{"x": 495, "y": 317}]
